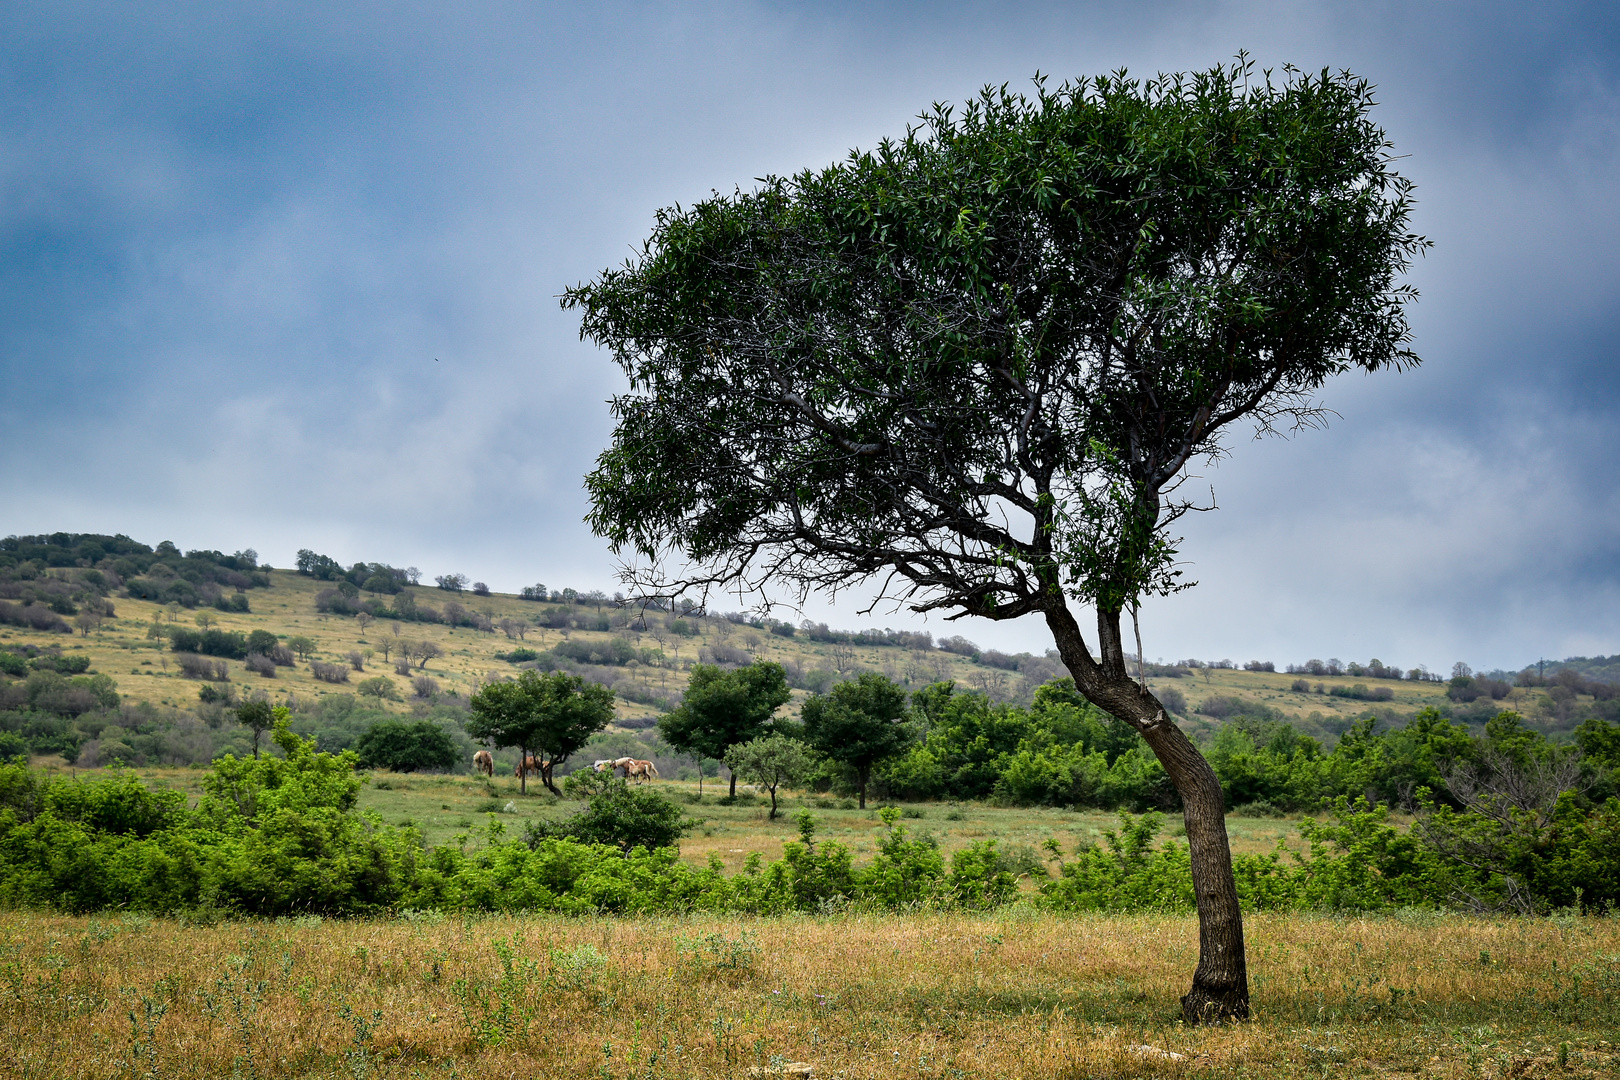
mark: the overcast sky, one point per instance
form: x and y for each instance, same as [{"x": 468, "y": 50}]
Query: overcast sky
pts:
[{"x": 284, "y": 276}]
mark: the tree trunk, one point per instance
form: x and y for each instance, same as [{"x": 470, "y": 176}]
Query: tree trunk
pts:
[
  {"x": 862, "y": 773},
  {"x": 523, "y": 771},
  {"x": 773, "y": 802},
  {"x": 1220, "y": 987},
  {"x": 733, "y": 782},
  {"x": 546, "y": 768}
]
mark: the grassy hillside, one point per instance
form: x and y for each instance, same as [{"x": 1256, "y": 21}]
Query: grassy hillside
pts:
[{"x": 140, "y": 661}]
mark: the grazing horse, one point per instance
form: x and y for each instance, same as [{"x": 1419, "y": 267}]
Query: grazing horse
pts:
[
  {"x": 530, "y": 764},
  {"x": 604, "y": 765},
  {"x": 643, "y": 770},
  {"x": 484, "y": 763},
  {"x": 623, "y": 763}
]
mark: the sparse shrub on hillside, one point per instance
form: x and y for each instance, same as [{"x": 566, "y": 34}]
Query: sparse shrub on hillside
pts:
[
  {"x": 451, "y": 582},
  {"x": 332, "y": 673},
  {"x": 193, "y": 666},
  {"x": 1300, "y": 686},
  {"x": 34, "y": 617},
  {"x": 303, "y": 647},
  {"x": 480, "y": 589},
  {"x": 209, "y": 642},
  {"x": 260, "y": 665},
  {"x": 356, "y": 661},
  {"x": 281, "y": 656},
  {"x": 959, "y": 645},
  {"x": 1174, "y": 701},
  {"x": 222, "y": 694},
  {"x": 380, "y": 687},
  {"x": 425, "y": 687},
  {"x": 402, "y": 666},
  {"x": 518, "y": 656}
]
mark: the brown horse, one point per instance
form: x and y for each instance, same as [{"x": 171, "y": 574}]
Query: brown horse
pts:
[
  {"x": 485, "y": 763},
  {"x": 642, "y": 770}
]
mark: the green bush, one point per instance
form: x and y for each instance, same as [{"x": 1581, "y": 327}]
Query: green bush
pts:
[
  {"x": 422, "y": 745},
  {"x": 12, "y": 664}
]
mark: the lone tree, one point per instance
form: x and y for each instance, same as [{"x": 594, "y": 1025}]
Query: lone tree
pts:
[
  {"x": 771, "y": 760},
  {"x": 973, "y": 368},
  {"x": 258, "y": 717},
  {"x": 550, "y": 716},
  {"x": 723, "y": 708},
  {"x": 858, "y": 724}
]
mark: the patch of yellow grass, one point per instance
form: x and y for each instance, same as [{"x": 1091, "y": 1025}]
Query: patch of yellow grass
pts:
[{"x": 1013, "y": 995}]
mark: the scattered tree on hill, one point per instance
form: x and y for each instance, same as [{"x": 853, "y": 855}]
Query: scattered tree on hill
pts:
[
  {"x": 723, "y": 708},
  {"x": 451, "y": 582},
  {"x": 859, "y": 724},
  {"x": 303, "y": 646},
  {"x": 770, "y": 761},
  {"x": 551, "y": 716},
  {"x": 425, "y": 651},
  {"x": 258, "y": 717},
  {"x": 1050, "y": 305}
]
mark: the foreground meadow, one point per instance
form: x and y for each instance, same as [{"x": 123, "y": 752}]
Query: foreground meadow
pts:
[{"x": 923, "y": 995}]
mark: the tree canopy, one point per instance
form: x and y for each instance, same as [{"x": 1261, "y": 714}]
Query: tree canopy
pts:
[
  {"x": 723, "y": 708},
  {"x": 859, "y": 724},
  {"x": 974, "y": 368},
  {"x": 550, "y": 715}
]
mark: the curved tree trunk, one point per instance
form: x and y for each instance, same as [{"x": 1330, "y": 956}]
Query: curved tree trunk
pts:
[{"x": 1220, "y": 987}]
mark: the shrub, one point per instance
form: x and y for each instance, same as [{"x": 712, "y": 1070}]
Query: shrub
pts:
[
  {"x": 425, "y": 687},
  {"x": 615, "y": 813},
  {"x": 406, "y": 747},
  {"x": 518, "y": 656},
  {"x": 260, "y": 665},
  {"x": 12, "y": 664},
  {"x": 381, "y": 688},
  {"x": 217, "y": 695},
  {"x": 193, "y": 666},
  {"x": 331, "y": 673},
  {"x": 62, "y": 665},
  {"x": 210, "y": 642},
  {"x": 237, "y": 602},
  {"x": 34, "y": 617},
  {"x": 355, "y": 660},
  {"x": 261, "y": 642}
]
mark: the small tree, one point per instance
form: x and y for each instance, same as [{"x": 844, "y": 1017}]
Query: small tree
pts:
[
  {"x": 205, "y": 619},
  {"x": 303, "y": 646},
  {"x": 88, "y": 620},
  {"x": 981, "y": 363},
  {"x": 425, "y": 651},
  {"x": 365, "y": 619},
  {"x": 258, "y": 717},
  {"x": 402, "y": 747},
  {"x": 770, "y": 761},
  {"x": 723, "y": 708},
  {"x": 451, "y": 582},
  {"x": 550, "y": 715},
  {"x": 858, "y": 724}
]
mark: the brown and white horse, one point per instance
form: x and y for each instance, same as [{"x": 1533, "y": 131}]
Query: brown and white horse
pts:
[{"x": 483, "y": 762}]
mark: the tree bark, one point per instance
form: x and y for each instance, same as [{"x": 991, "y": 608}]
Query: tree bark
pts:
[
  {"x": 733, "y": 781},
  {"x": 862, "y": 773},
  {"x": 1220, "y": 986}
]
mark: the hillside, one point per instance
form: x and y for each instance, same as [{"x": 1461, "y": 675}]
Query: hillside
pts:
[{"x": 111, "y": 607}]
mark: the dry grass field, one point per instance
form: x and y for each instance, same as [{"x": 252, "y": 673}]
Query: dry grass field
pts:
[{"x": 924, "y": 995}]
